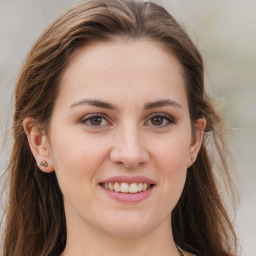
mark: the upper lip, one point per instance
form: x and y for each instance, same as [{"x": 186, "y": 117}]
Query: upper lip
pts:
[{"x": 129, "y": 179}]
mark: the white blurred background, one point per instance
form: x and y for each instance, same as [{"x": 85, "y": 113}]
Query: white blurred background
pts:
[{"x": 224, "y": 31}]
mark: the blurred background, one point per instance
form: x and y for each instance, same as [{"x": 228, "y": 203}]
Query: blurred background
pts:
[{"x": 225, "y": 33}]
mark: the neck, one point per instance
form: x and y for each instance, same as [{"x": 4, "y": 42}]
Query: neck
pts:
[{"x": 91, "y": 241}]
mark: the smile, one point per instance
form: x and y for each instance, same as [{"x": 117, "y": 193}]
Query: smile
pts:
[{"x": 126, "y": 187}]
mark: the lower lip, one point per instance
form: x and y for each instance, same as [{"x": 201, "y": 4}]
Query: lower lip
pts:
[{"x": 129, "y": 197}]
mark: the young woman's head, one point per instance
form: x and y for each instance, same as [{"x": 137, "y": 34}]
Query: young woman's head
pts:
[{"x": 111, "y": 97}]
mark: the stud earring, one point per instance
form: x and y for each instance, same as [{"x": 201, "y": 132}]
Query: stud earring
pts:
[
  {"x": 44, "y": 164},
  {"x": 192, "y": 158}
]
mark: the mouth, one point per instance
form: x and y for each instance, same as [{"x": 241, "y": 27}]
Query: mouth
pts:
[{"x": 128, "y": 188}]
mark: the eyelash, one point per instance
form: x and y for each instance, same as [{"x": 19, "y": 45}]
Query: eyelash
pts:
[
  {"x": 169, "y": 120},
  {"x": 87, "y": 120}
]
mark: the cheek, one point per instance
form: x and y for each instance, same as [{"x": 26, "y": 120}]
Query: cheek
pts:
[
  {"x": 173, "y": 168},
  {"x": 76, "y": 160},
  {"x": 171, "y": 163},
  {"x": 171, "y": 154}
]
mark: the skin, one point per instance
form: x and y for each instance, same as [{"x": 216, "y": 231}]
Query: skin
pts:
[{"x": 128, "y": 140}]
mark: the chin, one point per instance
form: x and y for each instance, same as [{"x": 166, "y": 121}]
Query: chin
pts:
[{"x": 129, "y": 225}]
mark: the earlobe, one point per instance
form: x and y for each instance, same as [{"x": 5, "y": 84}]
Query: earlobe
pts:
[
  {"x": 38, "y": 144},
  {"x": 196, "y": 141}
]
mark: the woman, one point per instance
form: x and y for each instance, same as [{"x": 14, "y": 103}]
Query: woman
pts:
[{"x": 113, "y": 140}]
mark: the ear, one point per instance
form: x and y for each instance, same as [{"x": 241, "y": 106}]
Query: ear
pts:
[
  {"x": 38, "y": 144},
  {"x": 196, "y": 142}
]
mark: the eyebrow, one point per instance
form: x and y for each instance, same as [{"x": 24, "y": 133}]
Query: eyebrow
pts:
[
  {"x": 162, "y": 103},
  {"x": 106, "y": 105},
  {"x": 95, "y": 103}
]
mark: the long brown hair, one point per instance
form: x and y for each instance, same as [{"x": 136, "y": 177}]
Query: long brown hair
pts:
[{"x": 35, "y": 220}]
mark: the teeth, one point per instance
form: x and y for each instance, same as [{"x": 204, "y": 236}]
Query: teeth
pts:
[
  {"x": 117, "y": 187},
  {"x": 110, "y": 186},
  {"x": 124, "y": 187},
  {"x": 140, "y": 187},
  {"x": 133, "y": 188},
  {"x": 144, "y": 186},
  {"x": 127, "y": 188}
]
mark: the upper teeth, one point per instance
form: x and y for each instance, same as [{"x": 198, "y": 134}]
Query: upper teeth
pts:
[{"x": 127, "y": 188}]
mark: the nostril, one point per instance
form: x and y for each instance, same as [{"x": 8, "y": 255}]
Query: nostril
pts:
[{"x": 129, "y": 152}]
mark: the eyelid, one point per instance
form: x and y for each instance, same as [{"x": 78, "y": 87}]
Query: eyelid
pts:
[
  {"x": 85, "y": 118},
  {"x": 170, "y": 120},
  {"x": 167, "y": 117}
]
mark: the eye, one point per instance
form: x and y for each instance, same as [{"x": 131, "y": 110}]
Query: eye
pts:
[
  {"x": 95, "y": 120},
  {"x": 160, "y": 120}
]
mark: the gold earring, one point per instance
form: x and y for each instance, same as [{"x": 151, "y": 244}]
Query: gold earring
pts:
[{"x": 44, "y": 164}]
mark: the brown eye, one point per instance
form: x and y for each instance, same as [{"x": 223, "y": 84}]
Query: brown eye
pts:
[
  {"x": 157, "y": 120},
  {"x": 160, "y": 120},
  {"x": 95, "y": 121}
]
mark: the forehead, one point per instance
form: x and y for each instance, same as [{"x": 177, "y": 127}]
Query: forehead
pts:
[
  {"x": 126, "y": 51},
  {"x": 141, "y": 67}
]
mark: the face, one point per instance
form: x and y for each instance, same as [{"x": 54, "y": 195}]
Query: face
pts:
[{"x": 121, "y": 122}]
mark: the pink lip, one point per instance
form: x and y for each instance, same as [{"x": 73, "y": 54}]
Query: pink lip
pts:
[
  {"x": 129, "y": 180},
  {"x": 127, "y": 197}
]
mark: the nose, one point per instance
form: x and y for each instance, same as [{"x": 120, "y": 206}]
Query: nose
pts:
[{"x": 128, "y": 149}]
